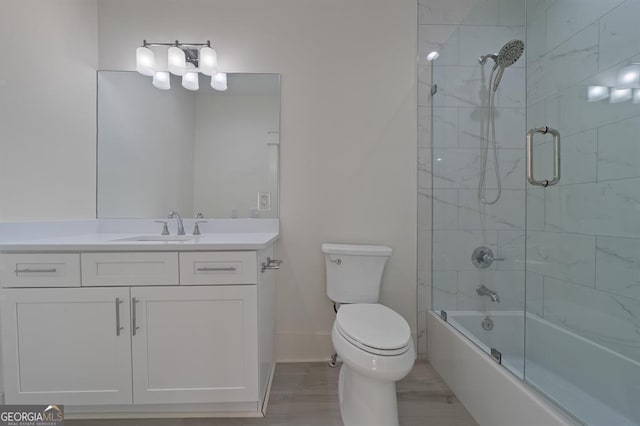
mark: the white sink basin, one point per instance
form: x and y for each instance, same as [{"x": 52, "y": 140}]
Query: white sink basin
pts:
[{"x": 158, "y": 238}]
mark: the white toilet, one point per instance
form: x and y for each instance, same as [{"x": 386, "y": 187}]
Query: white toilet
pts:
[{"x": 373, "y": 341}]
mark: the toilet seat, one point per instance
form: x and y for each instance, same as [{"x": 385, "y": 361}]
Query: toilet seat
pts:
[{"x": 374, "y": 328}]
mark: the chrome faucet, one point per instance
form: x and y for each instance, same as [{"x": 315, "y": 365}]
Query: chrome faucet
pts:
[
  {"x": 196, "y": 224},
  {"x": 173, "y": 214},
  {"x": 484, "y": 291}
]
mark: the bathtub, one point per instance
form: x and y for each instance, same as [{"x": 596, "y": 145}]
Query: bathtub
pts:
[{"x": 509, "y": 394}]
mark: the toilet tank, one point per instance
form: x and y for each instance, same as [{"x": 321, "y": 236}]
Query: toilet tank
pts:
[{"x": 354, "y": 272}]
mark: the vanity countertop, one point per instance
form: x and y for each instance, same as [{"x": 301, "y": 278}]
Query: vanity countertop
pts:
[{"x": 127, "y": 242}]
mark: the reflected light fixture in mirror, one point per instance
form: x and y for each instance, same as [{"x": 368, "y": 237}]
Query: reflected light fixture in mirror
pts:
[
  {"x": 219, "y": 81},
  {"x": 597, "y": 93},
  {"x": 162, "y": 80},
  {"x": 190, "y": 80},
  {"x": 629, "y": 76},
  {"x": 183, "y": 59},
  {"x": 619, "y": 95}
]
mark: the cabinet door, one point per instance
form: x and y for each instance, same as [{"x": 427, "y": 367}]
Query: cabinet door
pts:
[
  {"x": 195, "y": 344},
  {"x": 63, "y": 346}
]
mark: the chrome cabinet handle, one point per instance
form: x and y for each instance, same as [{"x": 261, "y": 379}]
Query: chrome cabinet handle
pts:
[
  {"x": 556, "y": 156},
  {"x": 225, "y": 269},
  {"x": 118, "y": 327},
  {"x": 29, "y": 271},
  {"x": 134, "y": 326}
]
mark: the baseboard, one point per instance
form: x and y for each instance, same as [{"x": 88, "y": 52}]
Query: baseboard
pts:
[{"x": 292, "y": 347}]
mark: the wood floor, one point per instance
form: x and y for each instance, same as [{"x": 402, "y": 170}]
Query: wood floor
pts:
[{"x": 305, "y": 394}]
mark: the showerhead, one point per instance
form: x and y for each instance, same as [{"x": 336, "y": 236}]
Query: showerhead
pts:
[{"x": 508, "y": 55}]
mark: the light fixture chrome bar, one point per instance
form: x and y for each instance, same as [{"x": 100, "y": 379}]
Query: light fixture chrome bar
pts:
[{"x": 177, "y": 43}]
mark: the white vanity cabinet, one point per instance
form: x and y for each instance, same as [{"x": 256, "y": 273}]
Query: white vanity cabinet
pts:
[
  {"x": 201, "y": 337},
  {"x": 64, "y": 346},
  {"x": 195, "y": 344}
]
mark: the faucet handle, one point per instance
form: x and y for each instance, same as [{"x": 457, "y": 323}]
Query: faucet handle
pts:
[
  {"x": 196, "y": 227},
  {"x": 165, "y": 226},
  {"x": 199, "y": 216}
]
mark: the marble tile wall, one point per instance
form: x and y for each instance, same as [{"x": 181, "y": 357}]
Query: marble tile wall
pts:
[
  {"x": 583, "y": 239},
  {"x": 583, "y": 244},
  {"x": 452, "y": 222}
]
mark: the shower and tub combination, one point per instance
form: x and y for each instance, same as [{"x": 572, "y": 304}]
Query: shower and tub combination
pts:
[{"x": 535, "y": 188}]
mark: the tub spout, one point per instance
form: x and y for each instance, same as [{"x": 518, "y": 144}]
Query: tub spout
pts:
[{"x": 484, "y": 291}]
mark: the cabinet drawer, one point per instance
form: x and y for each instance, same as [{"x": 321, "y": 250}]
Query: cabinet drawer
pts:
[
  {"x": 105, "y": 269},
  {"x": 40, "y": 270},
  {"x": 221, "y": 267}
]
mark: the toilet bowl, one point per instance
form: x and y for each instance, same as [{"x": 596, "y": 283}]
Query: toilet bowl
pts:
[
  {"x": 377, "y": 350},
  {"x": 373, "y": 341}
]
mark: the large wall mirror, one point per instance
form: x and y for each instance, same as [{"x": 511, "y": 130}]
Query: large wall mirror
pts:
[{"x": 190, "y": 151}]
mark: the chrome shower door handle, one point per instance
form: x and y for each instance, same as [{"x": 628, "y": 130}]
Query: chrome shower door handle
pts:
[{"x": 556, "y": 156}]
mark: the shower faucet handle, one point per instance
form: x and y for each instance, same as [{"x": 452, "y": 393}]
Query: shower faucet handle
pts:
[{"x": 482, "y": 257}]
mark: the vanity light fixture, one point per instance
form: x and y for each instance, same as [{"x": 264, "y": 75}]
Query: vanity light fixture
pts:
[{"x": 183, "y": 59}]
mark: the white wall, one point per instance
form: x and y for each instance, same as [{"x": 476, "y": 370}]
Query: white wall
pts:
[
  {"x": 348, "y": 135},
  {"x": 231, "y": 152},
  {"x": 47, "y": 109},
  {"x": 348, "y": 132},
  {"x": 145, "y": 167}
]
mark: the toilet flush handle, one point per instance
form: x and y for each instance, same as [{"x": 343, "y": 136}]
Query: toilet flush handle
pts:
[{"x": 337, "y": 261}]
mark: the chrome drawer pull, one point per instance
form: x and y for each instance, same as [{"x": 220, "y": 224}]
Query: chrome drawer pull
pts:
[
  {"x": 118, "y": 327},
  {"x": 134, "y": 326},
  {"x": 29, "y": 271},
  {"x": 226, "y": 269}
]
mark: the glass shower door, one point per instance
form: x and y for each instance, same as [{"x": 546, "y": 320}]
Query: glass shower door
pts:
[{"x": 582, "y": 326}]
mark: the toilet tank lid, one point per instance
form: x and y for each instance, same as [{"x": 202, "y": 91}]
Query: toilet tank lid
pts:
[{"x": 357, "y": 250}]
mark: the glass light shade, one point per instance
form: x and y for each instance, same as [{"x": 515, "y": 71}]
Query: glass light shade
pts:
[
  {"x": 176, "y": 61},
  {"x": 597, "y": 93},
  {"x": 145, "y": 61},
  {"x": 219, "y": 81},
  {"x": 162, "y": 80},
  {"x": 433, "y": 56},
  {"x": 208, "y": 61},
  {"x": 619, "y": 95},
  {"x": 629, "y": 77},
  {"x": 190, "y": 80}
]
